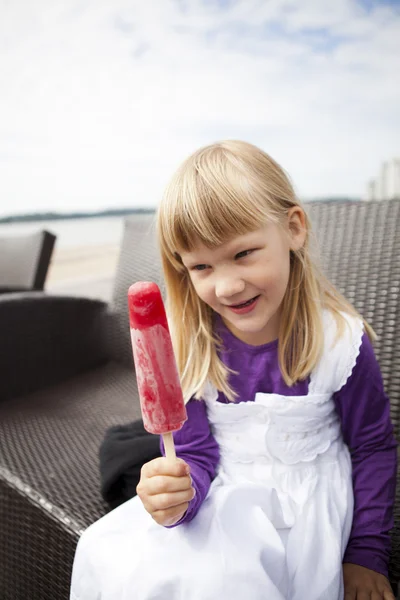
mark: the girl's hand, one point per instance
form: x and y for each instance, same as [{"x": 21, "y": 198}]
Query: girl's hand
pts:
[
  {"x": 361, "y": 583},
  {"x": 165, "y": 488}
]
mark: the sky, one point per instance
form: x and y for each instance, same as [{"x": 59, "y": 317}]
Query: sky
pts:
[{"x": 100, "y": 100}]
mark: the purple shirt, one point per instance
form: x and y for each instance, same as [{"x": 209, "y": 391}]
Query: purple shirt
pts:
[{"x": 363, "y": 409}]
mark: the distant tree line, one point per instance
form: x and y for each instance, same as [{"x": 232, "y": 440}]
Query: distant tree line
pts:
[{"x": 54, "y": 216}]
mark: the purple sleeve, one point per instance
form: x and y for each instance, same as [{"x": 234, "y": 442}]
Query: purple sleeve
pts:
[
  {"x": 364, "y": 410},
  {"x": 195, "y": 444}
]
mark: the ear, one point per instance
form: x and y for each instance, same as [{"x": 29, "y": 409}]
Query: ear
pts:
[{"x": 297, "y": 227}]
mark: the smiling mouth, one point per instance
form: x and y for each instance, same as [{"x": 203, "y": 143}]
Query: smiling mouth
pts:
[{"x": 244, "y": 304}]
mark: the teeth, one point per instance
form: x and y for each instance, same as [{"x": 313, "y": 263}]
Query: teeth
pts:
[
  {"x": 248, "y": 302},
  {"x": 245, "y": 303}
]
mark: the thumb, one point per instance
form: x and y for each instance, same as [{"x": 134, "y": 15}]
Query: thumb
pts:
[{"x": 184, "y": 466}]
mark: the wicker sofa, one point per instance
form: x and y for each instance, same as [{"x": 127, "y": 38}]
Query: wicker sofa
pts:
[{"x": 67, "y": 375}]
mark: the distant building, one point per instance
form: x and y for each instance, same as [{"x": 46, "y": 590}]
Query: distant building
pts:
[
  {"x": 371, "y": 190},
  {"x": 387, "y": 185},
  {"x": 392, "y": 180}
]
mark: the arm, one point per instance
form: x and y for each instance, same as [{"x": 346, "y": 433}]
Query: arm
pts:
[
  {"x": 364, "y": 410},
  {"x": 196, "y": 445}
]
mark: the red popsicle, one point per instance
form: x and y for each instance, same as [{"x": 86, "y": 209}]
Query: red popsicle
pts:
[{"x": 160, "y": 391}]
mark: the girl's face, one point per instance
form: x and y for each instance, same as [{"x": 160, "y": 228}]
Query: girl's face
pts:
[{"x": 245, "y": 279}]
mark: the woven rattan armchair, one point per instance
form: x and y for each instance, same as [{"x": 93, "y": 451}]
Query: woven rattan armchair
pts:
[
  {"x": 67, "y": 375},
  {"x": 24, "y": 261}
]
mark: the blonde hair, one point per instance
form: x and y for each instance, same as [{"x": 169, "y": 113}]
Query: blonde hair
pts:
[{"x": 222, "y": 191}]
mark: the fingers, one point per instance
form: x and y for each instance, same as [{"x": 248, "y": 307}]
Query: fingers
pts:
[
  {"x": 161, "y": 484},
  {"x": 363, "y": 596},
  {"x": 165, "y": 489},
  {"x": 171, "y": 516},
  {"x": 166, "y": 501},
  {"x": 162, "y": 466},
  {"x": 354, "y": 594},
  {"x": 161, "y": 476}
]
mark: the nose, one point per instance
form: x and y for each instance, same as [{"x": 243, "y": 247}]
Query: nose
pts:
[{"x": 228, "y": 286}]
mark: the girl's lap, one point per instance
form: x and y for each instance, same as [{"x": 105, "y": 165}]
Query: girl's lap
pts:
[{"x": 236, "y": 538}]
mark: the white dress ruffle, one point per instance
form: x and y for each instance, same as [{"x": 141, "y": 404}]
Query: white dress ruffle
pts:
[{"x": 276, "y": 521}]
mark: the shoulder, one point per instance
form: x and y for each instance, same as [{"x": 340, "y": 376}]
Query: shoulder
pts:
[
  {"x": 343, "y": 335},
  {"x": 341, "y": 328},
  {"x": 366, "y": 367}
]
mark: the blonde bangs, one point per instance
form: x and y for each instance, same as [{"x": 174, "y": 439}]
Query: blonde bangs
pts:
[{"x": 211, "y": 205}]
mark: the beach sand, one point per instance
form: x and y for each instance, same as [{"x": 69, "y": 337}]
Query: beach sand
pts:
[{"x": 86, "y": 271}]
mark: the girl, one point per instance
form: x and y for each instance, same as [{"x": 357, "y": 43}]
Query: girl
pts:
[{"x": 284, "y": 485}]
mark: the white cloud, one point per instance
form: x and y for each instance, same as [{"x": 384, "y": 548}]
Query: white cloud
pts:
[{"x": 102, "y": 99}]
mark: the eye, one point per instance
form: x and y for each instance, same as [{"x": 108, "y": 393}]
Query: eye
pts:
[
  {"x": 199, "y": 267},
  {"x": 243, "y": 254}
]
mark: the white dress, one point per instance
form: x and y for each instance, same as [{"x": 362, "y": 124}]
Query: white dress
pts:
[{"x": 276, "y": 521}]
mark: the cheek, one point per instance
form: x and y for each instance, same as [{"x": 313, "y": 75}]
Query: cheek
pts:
[
  {"x": 202, "y": 289},
  {"x": 285, "y": 272},
  {"x": 277, "y": 280}
]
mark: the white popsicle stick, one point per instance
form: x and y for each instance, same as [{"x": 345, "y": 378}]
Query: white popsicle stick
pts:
[{"x": 169, "y": 445}]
